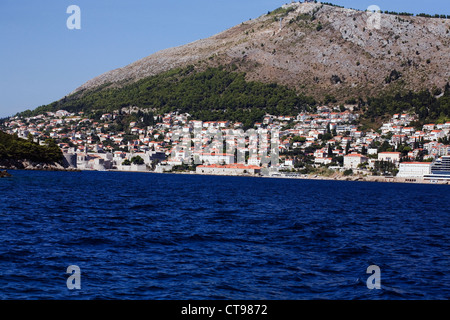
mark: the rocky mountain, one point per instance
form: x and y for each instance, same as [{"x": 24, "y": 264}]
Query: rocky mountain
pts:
[{"x": 316, "y": 49}]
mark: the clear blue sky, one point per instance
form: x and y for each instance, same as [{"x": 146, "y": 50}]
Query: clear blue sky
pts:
[{"x": 41, "y": 60}]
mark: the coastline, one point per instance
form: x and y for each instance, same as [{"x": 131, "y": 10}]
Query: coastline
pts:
[
  {"x": 373, "y": 179},
  {"x": 9, "y": 164},
  {"x": 336, "y": 177},
  {"x": 376, "y": 179},
  {"x": 359, "y": 178}
]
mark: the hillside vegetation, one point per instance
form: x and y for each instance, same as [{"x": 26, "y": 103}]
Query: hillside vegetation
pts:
[
  {"x": 214, "y": 94},
  {"x": 430, "y": 106},
  {"x": 220, "y": 94},
  {"x": 15, "y": 148}
]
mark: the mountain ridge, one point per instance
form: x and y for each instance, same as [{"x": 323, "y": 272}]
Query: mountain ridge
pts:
[{"x": 319, "y": 50}]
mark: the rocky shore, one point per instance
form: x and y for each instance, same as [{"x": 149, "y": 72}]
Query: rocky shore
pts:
[
  {"x": 30, "y": 165},
  {"x": 26, "y": 165},
  {"x": 4, "y": 174}
]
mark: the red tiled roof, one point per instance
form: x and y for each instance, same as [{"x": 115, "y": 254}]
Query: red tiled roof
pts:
[{"x": 355, "y": 155}]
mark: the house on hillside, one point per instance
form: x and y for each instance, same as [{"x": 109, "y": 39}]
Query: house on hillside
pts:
[
  {"x": 393, "y": 157},
  {"x": 351, "y": 161}
]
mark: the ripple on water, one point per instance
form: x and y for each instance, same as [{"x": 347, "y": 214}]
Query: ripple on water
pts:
[{"x": 180, "y": 237}]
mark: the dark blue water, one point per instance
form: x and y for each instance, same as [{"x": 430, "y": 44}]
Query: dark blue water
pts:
[{"x": 152, "y": 236}]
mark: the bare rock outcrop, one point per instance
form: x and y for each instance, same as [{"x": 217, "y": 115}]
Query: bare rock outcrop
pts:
[{"x": 317, "y": 49}]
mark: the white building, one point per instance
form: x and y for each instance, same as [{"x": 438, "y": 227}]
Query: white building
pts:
[
  {"x": 254, "y": 161},
  {"x": 393, "y": 157},
  {"x": 351, "y": 161},
  {"x": 230, "y": 169},
  {"x": 216, "y": 158},
  {"x": 414, "y": 169},
  {"x": 371, "y": 151},
  {"x": 323, "y": 160},
  {"x": 132, "y": 167},
  {"x": 289, "y": 162}
]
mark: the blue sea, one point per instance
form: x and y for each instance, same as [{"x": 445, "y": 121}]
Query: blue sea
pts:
[{"x": 146, "y": 236}]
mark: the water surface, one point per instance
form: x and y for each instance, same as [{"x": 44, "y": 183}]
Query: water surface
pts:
[{"x": 163, "y": 236}]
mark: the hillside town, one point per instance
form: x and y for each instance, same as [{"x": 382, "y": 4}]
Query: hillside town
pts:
[{"x": 329, "y": 142}]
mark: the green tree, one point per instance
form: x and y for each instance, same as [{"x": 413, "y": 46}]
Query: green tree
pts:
[
  {"x": 348, "y": 172},
  {"x": 17, "y": 148},
  {"x": 363, "y": 150},
  {"x": 330, "y": 151},
  {"x": 347, "y": 147},
  {"x": 137, "y": 160}
]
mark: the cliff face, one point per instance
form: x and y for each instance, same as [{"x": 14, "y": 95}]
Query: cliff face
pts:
[{"x": 317, "y": 49}]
